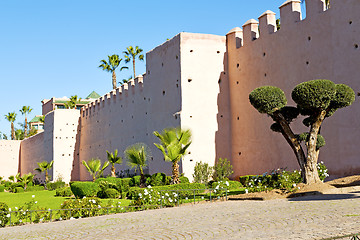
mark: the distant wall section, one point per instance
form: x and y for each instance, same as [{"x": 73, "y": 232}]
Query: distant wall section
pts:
[{"x": 9, "y": 157}]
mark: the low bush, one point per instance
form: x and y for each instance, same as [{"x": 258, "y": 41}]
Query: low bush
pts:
[
  {"x": 222, "y": 170},
  {"x": 84, "y": 189},
  {"x": 229, "y": 185},
  {"x": 55, "y": 185},
  {"x": 4, "y": 211},
  {"x": 16, "y": 185},
  {"x": 111, "y": 193},
  {"x": 158, "y": 179},
  {"x": 34, "y": 188},
  {"x": 202, "y": 172},
  {"x": 18, "y": 190},
  {"x": 135, "y": 181},
  {"x": 184, "y": 179},
  {"x": 2, "y": 188},
  {"x": 63, "y": 192}
]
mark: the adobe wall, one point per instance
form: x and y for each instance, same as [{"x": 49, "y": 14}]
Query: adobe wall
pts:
[
  {"x": 204, "y": 110},
  {"x": 133, "y": 111},
  {"x": 324, "y": 45},
  {"x": 32, "y": 151},
  {"x": 9, "y": 157},
  {"x": 163, "y": 98}
]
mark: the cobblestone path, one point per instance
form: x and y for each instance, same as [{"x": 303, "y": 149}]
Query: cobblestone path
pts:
[{"x": 312, "y": 217}]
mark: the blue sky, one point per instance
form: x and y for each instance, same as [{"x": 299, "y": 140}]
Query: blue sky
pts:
[{"x": 53, "y": 48}]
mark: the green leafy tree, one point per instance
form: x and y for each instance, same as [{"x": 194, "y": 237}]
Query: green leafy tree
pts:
[
  {"x": 222, "y": 170},
  {"x": 173, "y": 144},
  {"x": 202, "y": 172},
  {"x": 71, "y": 104},
  {"x": 94, "y": 167},
  {"x": 137, "y": 156},
  {"x": 315, "y": 99},
  {"x": 113, "y": 158},
  {"x": 19, "y": 134},
  {"x": 131, "y": 54},
  {"x": 111, "y": 65},
  {"x": 45, "y": 167},
  {"x": 24, "y": 111},
  {"x": 11, "y": 117}
]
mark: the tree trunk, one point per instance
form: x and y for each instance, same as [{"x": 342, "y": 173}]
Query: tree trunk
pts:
[
  {"x": 142, "y": 178},
  {"x": 25, "y": 127},
  {"x": 134, "y": 67},
  {"x": 292, "y": 141},
  {"x": 46, "y": 179},
  {"x": 311, "y": 173},
  {"x": 175, "y": 173},
  {"x": 12, "y": 131},
  {"x": 114, "y": 79},
  {"x": 113, "y": 170}
]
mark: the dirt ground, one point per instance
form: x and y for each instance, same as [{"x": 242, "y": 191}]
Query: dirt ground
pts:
[{"x": 336, "y": 186}]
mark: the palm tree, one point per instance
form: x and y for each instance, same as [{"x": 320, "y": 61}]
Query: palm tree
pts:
[
  {"x": 113, "y": 158},
  {"x": 11, "y": 117},
  {"x": 94, "y": 167},
  {"x": 137, "y": 156},
  {"x": 131, "y": 53},
  {"x": 25, "y": 110},
  {"x": 44, "y": 167},
  {"x": 71, "y": 104},
  {"x": 19, "y": 134},
  {"x": 114, "y": 62},
  {"x": 125, "y": 80},
  {"x": 174, "y": 143},
  {"x": 26, "y": 179}
]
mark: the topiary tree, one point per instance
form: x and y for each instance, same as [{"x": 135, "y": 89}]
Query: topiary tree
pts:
[{"x": 315, "y": 99}]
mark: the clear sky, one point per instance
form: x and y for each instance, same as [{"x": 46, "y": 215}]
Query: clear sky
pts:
[{"x": 53, "y": 48}]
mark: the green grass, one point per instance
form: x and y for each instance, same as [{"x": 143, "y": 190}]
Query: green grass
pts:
[{"x": 44, "y": 199}]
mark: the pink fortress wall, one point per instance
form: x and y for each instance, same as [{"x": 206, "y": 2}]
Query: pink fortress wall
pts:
[
  {"x": 324, "y": 45},
  {"x": 9, "y": 152}
]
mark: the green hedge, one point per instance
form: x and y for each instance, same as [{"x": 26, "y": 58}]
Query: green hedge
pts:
[
  {"x": 229, "y": 185},
  {"x": 184, "y": 179},
  {"x": 34, "y": 188},
  {"x": 55, "y": 185},
  {"x": 84, "y": 189},
  {"x": 2, "y": 188},
  {"x": 18, "y": 190},
  {"x": 112, "y": 193},
  {"x": 4, "y": 210},
  {"x": 63, "y": 192}
]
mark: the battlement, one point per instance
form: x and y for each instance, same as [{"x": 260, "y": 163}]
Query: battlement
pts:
[
  {"x": 131, "y": 86},
  {"x": 290, "y": 14}
]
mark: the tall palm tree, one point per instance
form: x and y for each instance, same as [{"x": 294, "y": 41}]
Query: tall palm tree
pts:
[
  {"x": 71, "y": 104},
  {"x": 173, "y": 144},
  {"x": 11, "y": 117},
  {"x": 44, "y": 167},
  {"x": 113, "y": 158},
  {"x": 137, "y": 156},
  {"x": 94, "y": 167},
  {"x": 25, "y": 110},
  {"x": 131, "y": 53},
  {"x": 111, "y": 66}
]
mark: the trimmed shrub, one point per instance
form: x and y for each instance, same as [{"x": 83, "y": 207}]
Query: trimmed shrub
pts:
[
  {"x": 202, "y": 172},
  {"x": 229, "y": 185},
  {"x": 267, "y": 99},
  {"x": 112, "y": 193},
  {"x": 184, "y": 179},
  {"x": 63, "y": 192},
  {"x": 158, "y": 179},
  {"x": 222, "y": 170},
  {"x": 55, "y": 185},
  {"x": 18, "y": 190},
  {"x": 2, "y": 188},
  {"x": 4, "y": 210},
  {"x": 84, "y": 189},
  {"x": 34, "y": 188}
]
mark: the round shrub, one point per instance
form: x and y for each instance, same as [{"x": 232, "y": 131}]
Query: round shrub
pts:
[
  {"x": 84, "y": 189},
  {"x": 314, "y": 94},
  {"x": 268, "y": 99},
  {"x": 111, "y": 193},
  {"x": 158, "y": 179},
  {"x": 4, "y": 211},
  {"x": 63, "y": 192},
  {"x": 184, "y": 179},
  {"x": 2, "y": 188},
  {"x": 55, "y": 185},
  {"x": 18, "y": 190}
]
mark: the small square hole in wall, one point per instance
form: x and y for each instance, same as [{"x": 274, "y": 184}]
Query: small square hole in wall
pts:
[
  {"x": 177, "y": 57},
  {"x": 307, "y": 62},
  {"x": 145, "y": 113},
  {"x": 132, "y": 117},
  {"x": 189, "y": 80},
  {"x": 69, "y": 155},
  {"x": 63, "y": 154},
  {"x": 350, "y": 22},
  {"x": 221, "y": 116},
  {"x": 177, "y": 85},
  {"x": 175, "y": 117},
  {"x": 162, "y": 64},
  {"x": 191, "y": 160},
  {"x": 238, "y": 118},
  {"x": 265, "y": 75},
  {"x": 145, "y": 98},
  {"x": 163, "y": 93},
  {"x": 219, "y": 81},
  {"x": 190, "y": 116},
  {"x": 148, "y": 71},
  {"x": 358, "y": 94},
  {"x": 217, "y": 51},
  {"x": 356, "y": 46},
  {"x": 264, "y": 54},
  {"x": 239, "y": 153},
  {"x": 191, "y": 50},
  {"x": 309, "y": 38},
  {"x": 237, "y": 65},
  {"x": 237, "y": 82}
]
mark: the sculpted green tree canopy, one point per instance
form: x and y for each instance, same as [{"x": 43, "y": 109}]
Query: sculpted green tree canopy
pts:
[{"x": 315, "y": 99}]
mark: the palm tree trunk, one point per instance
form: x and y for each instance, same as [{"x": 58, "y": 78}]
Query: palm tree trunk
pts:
[
  {"x": 142, "y": 178},
  {"x": 46, "y": 179},
  {"x": 134, "y": 67},
  {"x": 114, "y": 80},
  {"x": 25, "y": 127},
  {"x": 12, "y": 131},
  {"x": 113, "y": 170},
  {"x": 175, "y": 173}
]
